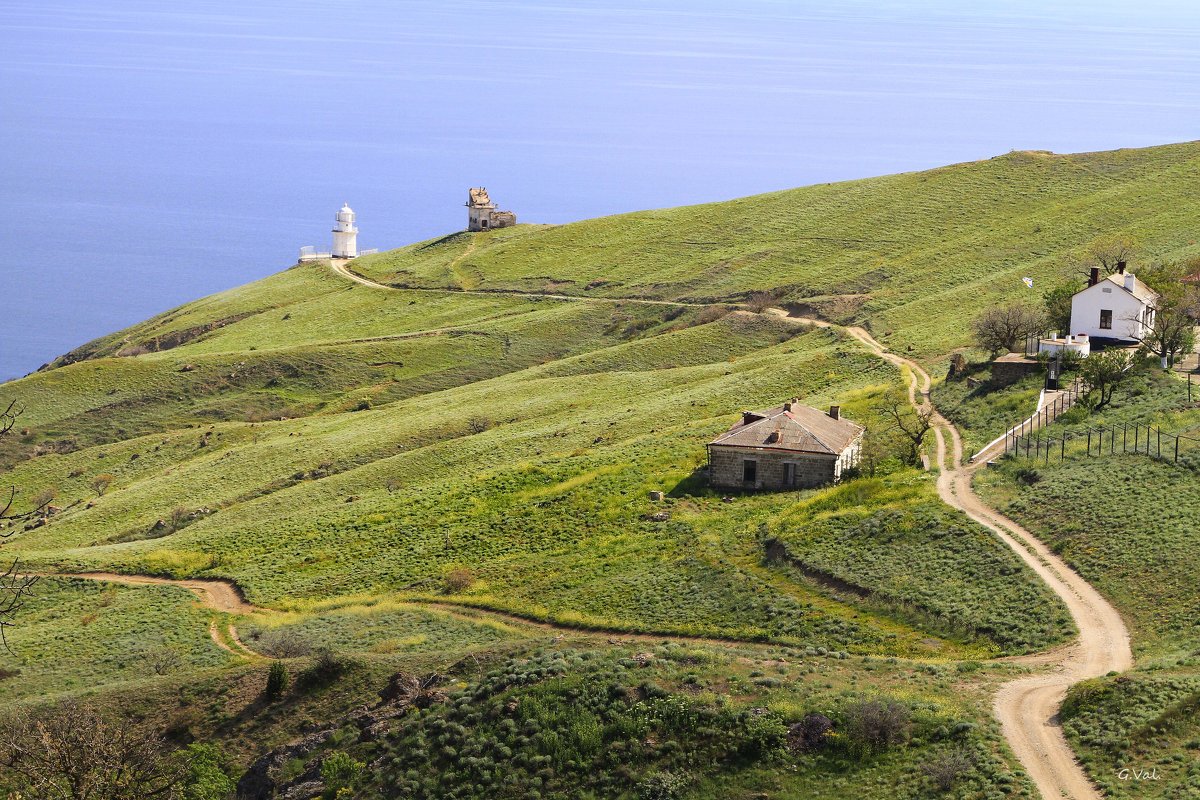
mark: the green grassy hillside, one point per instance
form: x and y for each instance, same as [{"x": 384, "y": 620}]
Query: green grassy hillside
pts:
[
  {"x": 916, "y": 255},
  {"x": 423, "y": 474}
]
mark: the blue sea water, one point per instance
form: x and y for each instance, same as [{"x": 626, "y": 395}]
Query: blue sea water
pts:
[{"x": 154, "y": 152}]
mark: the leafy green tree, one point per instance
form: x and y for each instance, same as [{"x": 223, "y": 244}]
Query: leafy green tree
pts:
[
  {"x": 1104, "y": 372},
  {"x": 1175, "y": 313},
  {"x": 1057, "y": 304},
  {"x": 206, "y": 773}
]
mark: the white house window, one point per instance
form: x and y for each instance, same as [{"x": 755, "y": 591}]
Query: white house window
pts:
[{"x": 1106, "y": 319}]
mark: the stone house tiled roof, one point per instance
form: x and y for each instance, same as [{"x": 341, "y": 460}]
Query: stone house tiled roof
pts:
[{"x": 794, "y": 428}]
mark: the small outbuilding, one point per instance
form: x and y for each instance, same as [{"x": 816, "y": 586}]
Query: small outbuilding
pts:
[{"x": 791, "y": 446}]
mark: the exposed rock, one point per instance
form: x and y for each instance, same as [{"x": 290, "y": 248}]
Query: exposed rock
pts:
[
  {"x": 402, "y": 693},
  {"x": 958, "y": 366}
]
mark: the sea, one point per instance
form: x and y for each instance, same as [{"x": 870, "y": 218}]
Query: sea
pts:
[{"x": 154, "y": 152}]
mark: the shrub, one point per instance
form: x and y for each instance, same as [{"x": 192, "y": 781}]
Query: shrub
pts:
[
  {"x": 206, "y": 773},
  {"x": 277, "y": 681},
  {"x": 947, "y": 767},
  {"x": 1081, "y": 696},
  {"x": 284, "y": 644},
  {"x": 810, "y": 733},
  {"x": 45, "y": 497},
  {"x": 662, "y": 786},
  {"x": 712, "y": 314},
  {"x": 326, "y": 669},
  {"x": 759, "y": 302},
  {"x": 341, "y": 771},
  {"x": 457, "y": 580},
  {"x": 101, "y": 482},
  {"x": 875, "y": 725}
]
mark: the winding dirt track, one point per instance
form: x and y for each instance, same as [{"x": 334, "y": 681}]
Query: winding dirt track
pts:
[
  {"x": 342, "y": 267},
  {"x": 1027, "y": 708},
  {"x": 217, "y": 594}
]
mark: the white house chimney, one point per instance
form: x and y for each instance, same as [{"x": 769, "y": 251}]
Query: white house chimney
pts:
[
  {"x": 345, "y": 235},
  {"x": 1130, "y": 281}
]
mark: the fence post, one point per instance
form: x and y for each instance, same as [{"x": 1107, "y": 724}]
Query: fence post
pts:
[
  {"x": 1136, "y": 430},
  {"x": 1159, "y": 442},
  {"x": 1177, "y": 446},
  {"x": 1112, "y": 440},
  {"x": 1124, "y": 437},
  {"x": 1062, "y": 455},
  {"x": 1089, "y": 442}
]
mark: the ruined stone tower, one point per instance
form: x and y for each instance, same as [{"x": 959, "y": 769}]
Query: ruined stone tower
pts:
[{"x": 482, "y": 214}]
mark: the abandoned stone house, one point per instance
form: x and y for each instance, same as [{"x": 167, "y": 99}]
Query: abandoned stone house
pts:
[
  {"x": 788, "y": 447},
  {"x": 482, "y": 214}
]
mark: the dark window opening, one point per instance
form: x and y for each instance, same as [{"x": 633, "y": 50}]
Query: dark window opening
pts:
[
  {"x": 483, "y": 223},
  {"x": 749, "y": 471},
  {"x": 1106, "y": 320}
]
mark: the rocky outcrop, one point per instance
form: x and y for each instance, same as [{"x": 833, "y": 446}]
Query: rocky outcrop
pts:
[{"x": 402, "y": 693}]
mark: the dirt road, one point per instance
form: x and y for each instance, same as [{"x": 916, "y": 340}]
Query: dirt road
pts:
[
  {"x": 215, "y": 594},
  {"x": 342, "y": 267},
  {"x": 1027, "y": 708}
]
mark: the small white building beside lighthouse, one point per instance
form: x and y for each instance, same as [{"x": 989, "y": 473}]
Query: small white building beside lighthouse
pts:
[{"x": 345, "y": 235}]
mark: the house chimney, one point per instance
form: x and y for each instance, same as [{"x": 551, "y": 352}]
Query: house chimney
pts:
[
  {"x": 835, "y": 412},
  {"x": 748, "y": 417},
  {"x": 1121, "y": 266},
  {"x": 787, "y": 406},
  {"x": 1095, "y": 276},
  {"x": 1130, "y": 282}
]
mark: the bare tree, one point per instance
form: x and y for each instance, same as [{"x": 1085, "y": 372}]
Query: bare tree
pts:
[
  {"x": 71, "y": 752},
  {"x": 1107, "y": 253},
  {"x": 179, "y": 517},
  {"x": 911, "y": 424},
  {"x": 1003, "y": 330},
  {"x": 15, "y": 588}
]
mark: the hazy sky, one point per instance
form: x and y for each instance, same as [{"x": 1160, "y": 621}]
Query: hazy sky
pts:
[{"x": 155, "y": 152}]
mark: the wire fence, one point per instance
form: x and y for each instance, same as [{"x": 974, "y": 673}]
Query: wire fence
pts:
[
  {"x": 1062, "y": 401},
  {"x": 1149, "y": 440}
]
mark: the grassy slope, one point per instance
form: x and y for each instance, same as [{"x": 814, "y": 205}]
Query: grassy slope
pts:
[
  {"x": 347, "y": 446},
  {"x": 1128, "y": 524},
  {"x": 922, "y": 251}
]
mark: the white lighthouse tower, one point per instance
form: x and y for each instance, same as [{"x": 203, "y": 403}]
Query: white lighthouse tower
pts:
[{"x": 345, "y": 235}]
